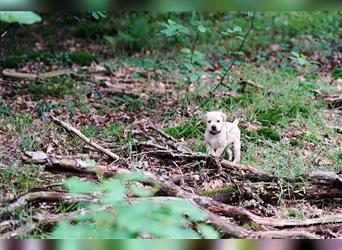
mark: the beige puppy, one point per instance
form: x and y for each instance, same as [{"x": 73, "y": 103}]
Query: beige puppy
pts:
[{"x": 220, "y": 133}]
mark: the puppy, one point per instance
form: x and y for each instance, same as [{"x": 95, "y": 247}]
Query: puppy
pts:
[{"x": 220, "y": 133}]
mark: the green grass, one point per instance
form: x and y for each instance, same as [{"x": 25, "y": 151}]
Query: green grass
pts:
[
  {"x": 192, "y": 128},
  {"x": 115, "y": 130},
  {"x": 20, "y": 122},
  {"x": 31, "y": 143},
  {"x": 22, "y": 178},
  {"x": 90, "y": 131},
  {"x": 56, "y": 87}
]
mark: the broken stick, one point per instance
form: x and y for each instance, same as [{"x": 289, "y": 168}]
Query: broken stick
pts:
[{"x": 85, "y": 139}]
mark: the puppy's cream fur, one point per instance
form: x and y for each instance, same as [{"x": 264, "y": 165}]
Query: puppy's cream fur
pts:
[{"x": 220, "y": 133}]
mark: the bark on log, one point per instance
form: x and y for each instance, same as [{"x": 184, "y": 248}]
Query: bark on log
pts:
[{"x": 50, "y": 196}]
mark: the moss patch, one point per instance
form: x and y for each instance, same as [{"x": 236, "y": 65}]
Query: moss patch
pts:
[
  {"x": 82, "y": 58},
  {"x": 269, "y": 133},
  {"x": 230, "y": 189}
]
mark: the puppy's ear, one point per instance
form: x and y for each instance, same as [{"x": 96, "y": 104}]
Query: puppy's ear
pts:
[
  {"x": 224, "y": 116},
  {"x": 205, "y": 118}
]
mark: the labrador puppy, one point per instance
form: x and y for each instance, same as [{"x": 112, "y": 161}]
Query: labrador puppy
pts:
[{"x": 219, "y": 134}]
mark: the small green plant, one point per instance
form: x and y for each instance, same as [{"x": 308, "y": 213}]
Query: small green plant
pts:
[
  {"x": 82, "y": 58},
  {"x": 301, "y": 59},
  {"x": 4, "y": 110},
  {"x": 115, "y": 130},
  {"x": 114, "y": 217},
  {"x": 132, "y": 103},
  {"x": 294, "y": 213}
]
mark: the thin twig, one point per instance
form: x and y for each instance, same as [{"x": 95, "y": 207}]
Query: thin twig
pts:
[{"x": 236, "y": 56}]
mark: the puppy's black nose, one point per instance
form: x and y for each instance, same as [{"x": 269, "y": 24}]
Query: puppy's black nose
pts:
[{"x": 213, "y": 127}]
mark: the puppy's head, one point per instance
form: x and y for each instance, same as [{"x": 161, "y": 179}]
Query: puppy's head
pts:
[{"x": 214, "y": 121}]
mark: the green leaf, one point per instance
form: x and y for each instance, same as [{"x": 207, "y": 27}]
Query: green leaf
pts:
[
  {"x": 186, "y": 50},
  {"x": 78, "y": 186},
  {"x": 295, "y": 54},
  {"x": 201, "y": 28},
  {"x": 208, "y": 232},
  {"x": 95, "y": 15},
  {"x": 171, "y": 22},
  {"x": 141, "y": 191},
  {"x": 21, "y": 17},
  {"x": 237, "y": 29},
  {"x": 188, "y": 66},
  {"x": 115, "y": 192},
  {"x": 133, "y": 176}
]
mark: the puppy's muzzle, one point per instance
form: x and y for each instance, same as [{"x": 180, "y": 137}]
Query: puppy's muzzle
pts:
[{"x": 213, "y": 130}]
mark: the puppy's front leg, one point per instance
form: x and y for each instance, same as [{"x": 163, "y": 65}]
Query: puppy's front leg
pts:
[
  {"x": 237, "y": 151},
  {"x": 219, "y": 151},
  {"x": 210, "y": 150}
]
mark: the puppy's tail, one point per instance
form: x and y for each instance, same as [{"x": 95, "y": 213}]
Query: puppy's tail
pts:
[{"x": 236, "y": 122}]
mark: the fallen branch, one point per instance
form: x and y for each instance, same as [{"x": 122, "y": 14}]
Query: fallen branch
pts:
[
  {"x": 85, "y": 139},
  {"x": 326, "y": 178},
  {"x": 7, "y": 225},
  {"x": 42, "y": 196},
  {"x": 239, "y": 214},
  {"x": 38, "y": 222},
  {"x": 333, "y": 100},
  {"x": 57, "y": 163},
  {"x": 247, "y": 82},
  {"x": 285, "y": 234},
  {"x": 30, "y": 76}
]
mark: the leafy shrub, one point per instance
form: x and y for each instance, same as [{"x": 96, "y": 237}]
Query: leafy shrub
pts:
[{"x": 114, "y": 217}]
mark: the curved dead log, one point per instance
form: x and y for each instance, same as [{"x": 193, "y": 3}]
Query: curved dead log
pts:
[{"x": 239, "y": 214}]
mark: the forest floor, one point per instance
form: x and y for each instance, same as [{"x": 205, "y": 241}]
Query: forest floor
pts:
[{"x": 289, "y": 127}]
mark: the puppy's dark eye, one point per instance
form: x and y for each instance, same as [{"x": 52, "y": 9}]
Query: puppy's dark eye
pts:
[
  {"x": 209, "y": 121},
  {"x": 218, "y": 120}
]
